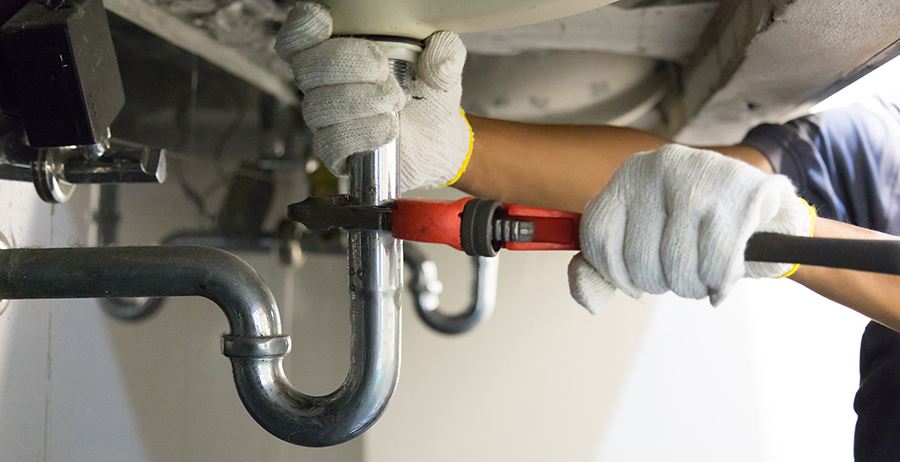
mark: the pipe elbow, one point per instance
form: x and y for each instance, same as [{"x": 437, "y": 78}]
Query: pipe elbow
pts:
[
  {"x": 313, "y": 421},
  {"x": 257, "y": 353},
  {"x": 233, "y": 285},
  {"x": 426, "y": 287},
  {"x": 255, "y": 344}
]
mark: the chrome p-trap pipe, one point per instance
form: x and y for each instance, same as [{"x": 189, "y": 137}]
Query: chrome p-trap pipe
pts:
[{"x": 256, "y": 345}]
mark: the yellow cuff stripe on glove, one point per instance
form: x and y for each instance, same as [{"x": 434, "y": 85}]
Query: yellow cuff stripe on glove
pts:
[
  {"x": 468, "y": 155},
  {"x": 812, "y": 226}
]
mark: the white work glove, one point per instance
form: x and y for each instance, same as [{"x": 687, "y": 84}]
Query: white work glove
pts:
[
  {"x": 350, "y": 98},
  {"x": 678, "y": 219}
]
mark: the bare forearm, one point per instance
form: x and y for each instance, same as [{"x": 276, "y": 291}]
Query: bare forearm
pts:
[
  {"x": 557, "y": 166},
  {"x": 564, "y": 166},
  {"x": 551, "y": 166},
  {"x": 871, "y": 294}
]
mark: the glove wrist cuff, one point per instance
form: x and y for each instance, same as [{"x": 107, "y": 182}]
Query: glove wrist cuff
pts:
[
  {"x": 812, "y": 225},
  {"x": 465, "y": 163}
]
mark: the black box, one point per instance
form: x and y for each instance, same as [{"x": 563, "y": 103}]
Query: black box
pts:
[
  {"x": 63, "y": 70},
  {"x": 7, "y": 108}
]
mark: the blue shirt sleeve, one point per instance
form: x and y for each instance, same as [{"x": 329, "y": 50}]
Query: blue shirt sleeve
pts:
[{"x": 845, "y": 162}]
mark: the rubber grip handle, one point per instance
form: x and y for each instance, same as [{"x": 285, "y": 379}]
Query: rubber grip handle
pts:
[{"x": 877, "y": 256}]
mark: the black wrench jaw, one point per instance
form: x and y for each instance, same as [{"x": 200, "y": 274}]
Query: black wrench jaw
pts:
[{"x": 339, "y": 212}]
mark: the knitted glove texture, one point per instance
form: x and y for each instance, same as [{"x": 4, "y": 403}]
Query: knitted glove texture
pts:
[
  {"x": 350, "y": 98},
  {"x": 678, "y": 219}
]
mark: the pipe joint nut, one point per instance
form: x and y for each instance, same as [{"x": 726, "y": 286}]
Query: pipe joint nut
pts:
[{"x": 234, "y": 346}]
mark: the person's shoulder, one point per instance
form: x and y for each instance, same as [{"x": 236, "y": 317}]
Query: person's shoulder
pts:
[{"x": 875, "y": 120}]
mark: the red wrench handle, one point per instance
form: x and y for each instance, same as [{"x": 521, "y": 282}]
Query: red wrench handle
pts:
[
  {"x": 428, "y": 220},
  {"x": 553, "y": 229},
  {"x": 439, "y": 221}
]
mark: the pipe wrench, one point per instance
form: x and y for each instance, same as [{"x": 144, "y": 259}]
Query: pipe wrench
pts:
[{"x": 482, "y": 227}]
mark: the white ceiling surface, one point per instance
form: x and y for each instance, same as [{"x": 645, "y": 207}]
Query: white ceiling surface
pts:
[
  {"x": 808, "y": 46},
  {"x": 420, "y": 18},
  {"x": 663, "y": 32},
  {"x": 562, "y": 87}
]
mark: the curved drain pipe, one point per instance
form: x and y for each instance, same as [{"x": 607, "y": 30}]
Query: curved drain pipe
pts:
[
  {"x": 425, "y": 288},
  {"x": 255, "y": 343}
]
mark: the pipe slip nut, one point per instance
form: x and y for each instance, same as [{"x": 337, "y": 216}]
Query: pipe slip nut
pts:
[{"x": 234, "y": 346}]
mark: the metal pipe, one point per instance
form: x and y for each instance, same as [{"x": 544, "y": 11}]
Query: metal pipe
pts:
[
  {"x": 255, "y": 343},
  {"x": 99, "y": 272},
  {"x": 285, "y": 240},
  {"x": 425, "y": 288},
  {"x": 375, "y": 261},
  {"x": 106, "y": 217},
  {"x": 376, "y": 280}
]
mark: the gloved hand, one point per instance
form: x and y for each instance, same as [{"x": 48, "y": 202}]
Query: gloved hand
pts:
[
  {"x": 679, "y": 219},
  {"x": 350, "y": 95}
]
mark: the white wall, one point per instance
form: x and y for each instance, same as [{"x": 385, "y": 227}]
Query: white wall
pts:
[
  {"x": 60, "y": 394},
  {"x": 768, "y": 376}
]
